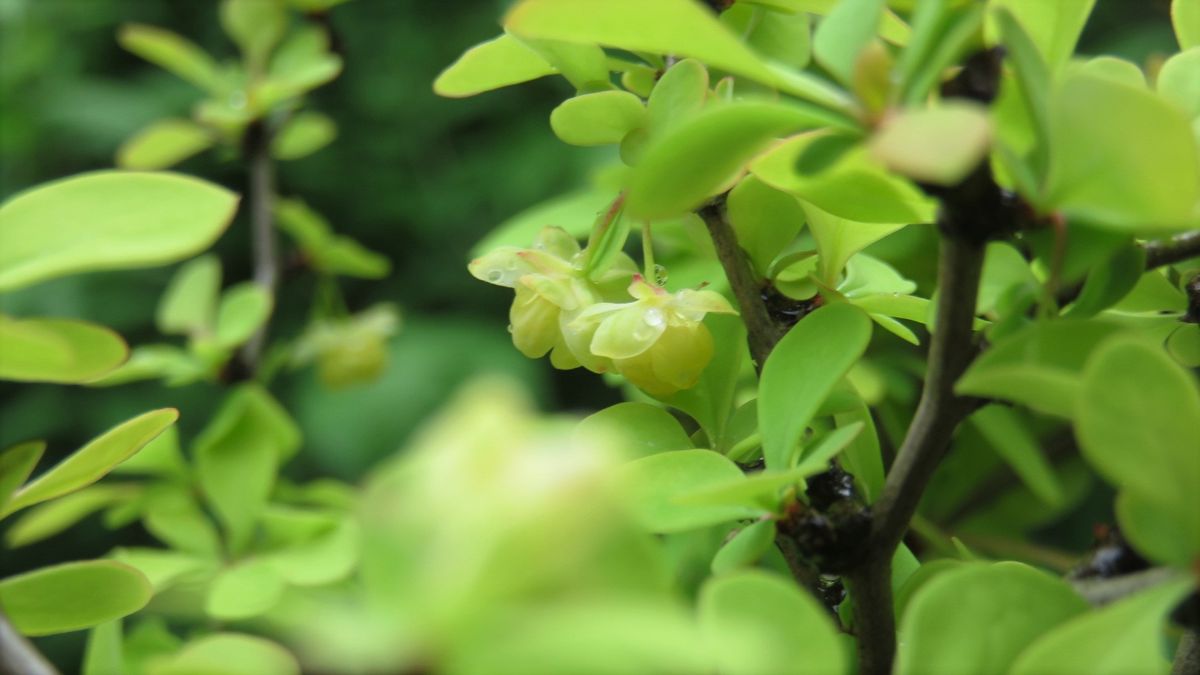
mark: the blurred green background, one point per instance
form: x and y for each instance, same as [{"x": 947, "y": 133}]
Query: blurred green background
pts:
[{"x": 415, "y": 177}]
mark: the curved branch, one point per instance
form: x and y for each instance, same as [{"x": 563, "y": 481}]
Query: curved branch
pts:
[
  {"x": 1101, "y": 591},
  {"x": 1173, "y": 250},
  {"x": 1187, "y": 655},
  {"x": 761, "y": 331},
  {"x": 262, "y": 225},
  {"x": 1158, "y": 254},
  {"x": 938, "y": 414},
  {"x": 18, "y": 656}
]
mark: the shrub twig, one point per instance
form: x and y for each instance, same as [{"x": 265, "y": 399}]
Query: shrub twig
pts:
[
  {"x": 18, "y": 656},
  {"x": 262, "y": 225},
  {"x": 762, "y": 333}
]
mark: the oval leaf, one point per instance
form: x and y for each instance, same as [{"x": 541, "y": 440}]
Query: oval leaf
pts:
[
  {"x": 91, "y": 462},
  {"x": 229, "y": 654},
  {"x": 57, "y": 350},
  {"x": 72, "y": 596},
  {"x": 1124, "y": 637},
  {"x": 246, "y": 590},
  {"x": 653, "y": 485},
  {"x": 1040, "y": 367},
  {"x": 759, "y": 623},
  {"x": 108, "y": 220},
  {"x": 597, "y": 119},
  {"x": 499, "y": 62},
  {"x": 696, "y": 158},
  {"x": 678, "y": 27},
  {"x": 1009, "y": 603},
  {"x": 163, "y": 145},
  {"x": 244, "y": 309},
  {"x": 16, "y": 463},
  {"x": 939, "y": 145},
  {"x": 189, "y": 304},
  {"x": 802, "y": 370},
  {"x": 174, "y": 53},
  {"x": 636, "y": 429},
  {"x": 303, "y": 135},
  {"x": 1134, "y": 168},
  {"x": 1143, "y": 438}
]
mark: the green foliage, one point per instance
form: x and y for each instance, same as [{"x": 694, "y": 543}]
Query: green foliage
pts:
[
  {"x": 803, "y": 369},
  {"x": 107, "y": 220},
  {"x": 71, "y": 596},
  {"x": 94, "y": 460},
  {"x": 57, "y": 350},
  {"x": 782, "y": 162},
  {"x": 1111, "y": 418},
  {"x": 759, "y": 623},
  {"x": 1122, "y": 636},
  {"x": 1009, "y": 603}
]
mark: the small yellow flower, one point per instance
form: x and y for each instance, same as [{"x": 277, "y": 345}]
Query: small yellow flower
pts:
[
  {"x": 659, "y": 341},
  {"x": 551, "y": 290}
]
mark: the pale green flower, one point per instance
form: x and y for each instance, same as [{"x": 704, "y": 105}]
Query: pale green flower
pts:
[
  {"x": 551, "y": 290},
  {"x": 658, "y": 341}
]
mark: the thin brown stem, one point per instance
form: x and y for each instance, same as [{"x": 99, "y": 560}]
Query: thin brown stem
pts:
[
  {"x": 1187, "y": 655},
  {"x": 262, "y": 225},
  {"x": 762, "y": 333},
  {"x": 940, "y": 410},
  {"x": 938, "y": 414},
  {"x": 1158, "y": 254},
  {"x": 1173, "y": 250},
  {"x": 18, "y": 656},
  {"x": 1101, "y": 591}
]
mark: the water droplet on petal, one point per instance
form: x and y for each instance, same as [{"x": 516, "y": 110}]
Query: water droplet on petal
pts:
[
  {"x": 654, "y": 318},
  {"x": 495, "y": 275},
  {"x": 660, "y": 275}
]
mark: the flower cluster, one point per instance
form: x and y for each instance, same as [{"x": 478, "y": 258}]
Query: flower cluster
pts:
[{"x": 654, "y": 338}]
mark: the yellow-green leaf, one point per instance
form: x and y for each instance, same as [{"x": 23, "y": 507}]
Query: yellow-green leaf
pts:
[
  {"x": 163, "y": 145},
  {"x": 597, "y": 119},
  {"x": 91, "y": 462},
  {"x": 189, "y": 304},
  {"x": 1185, "y": 16},
  {"x": 72, "y": 596},
  {"x": 245, "y": 590},
  {"x": 497, "y": 63},
  {"x": 108, "y": 220},
  {"x": 174, "y": 53},
  {"x": 228, "y": 654},
  {"x": 1121, "y": 157},
  {"x": 1124, "y": 637},
  {"x": 16, "y": 463},
  {"x": 699, "y": 156},
  {"x": 57, "y": 350},
  {"x": 801, "y": 372},
  {"x": 833, "y": 171},
  {"x": 1011, "y": 603},
  {"x": 1053, "y": 26},
  {"x": 48, "y": 519},
  {"x": 677, "y": 27},
  {"x": 938, "y": 145},
  {"x": 756, "y": 622},
  {"x": 303, "y": 135},
  {"x": 244, "y": 309},
  {"x": 256, "y": 26},
  {"x": 653, "y": 485},
  {"x": 842, "y": 35}
]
